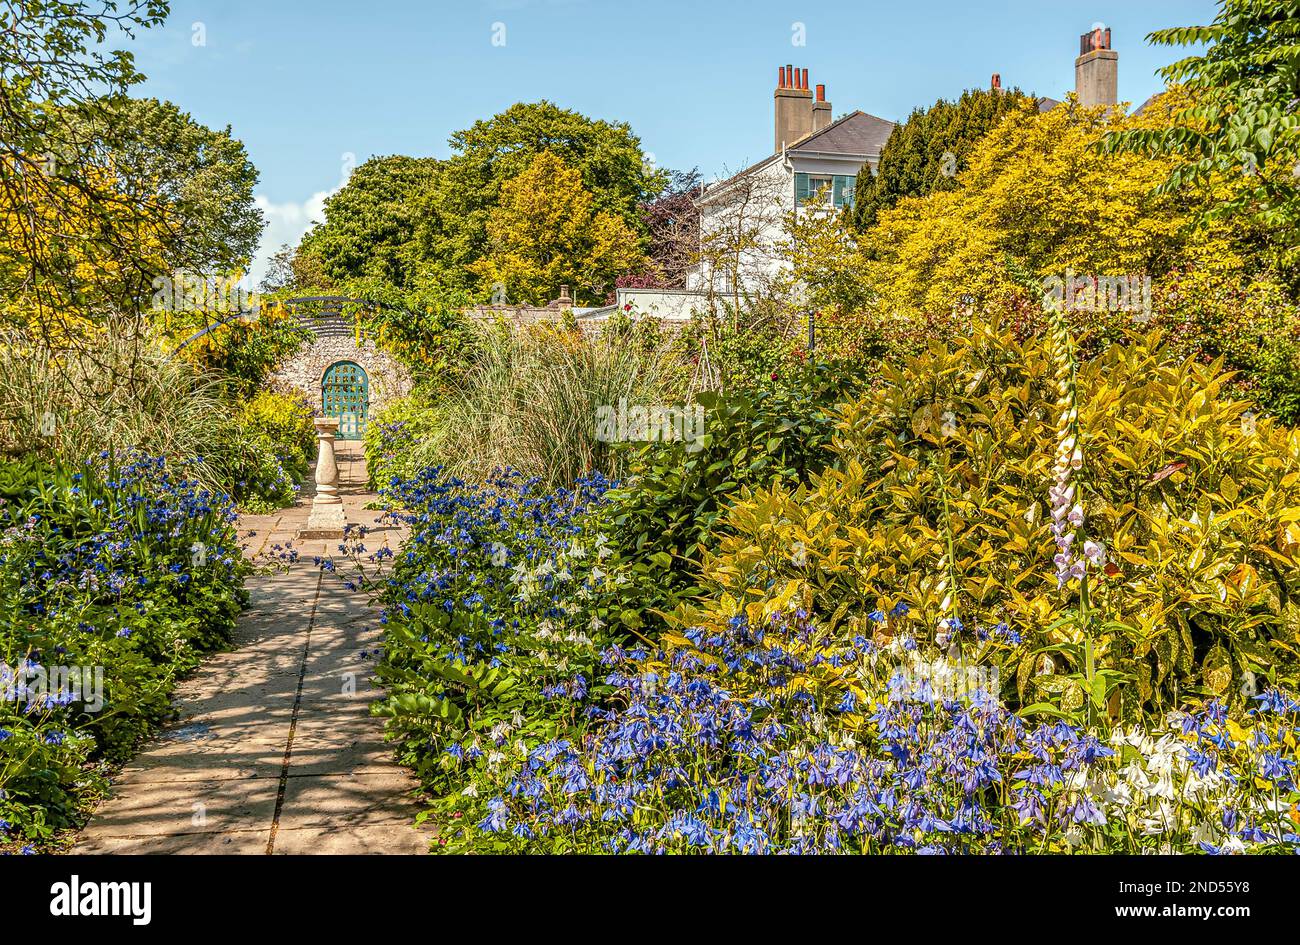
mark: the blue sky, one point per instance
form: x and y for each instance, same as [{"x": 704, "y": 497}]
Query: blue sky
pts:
[{"x": 311, "y": 85}]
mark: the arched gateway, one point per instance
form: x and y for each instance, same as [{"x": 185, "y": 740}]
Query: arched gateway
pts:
[{"x": 343, "y": 373}]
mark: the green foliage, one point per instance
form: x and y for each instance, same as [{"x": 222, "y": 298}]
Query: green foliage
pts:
[
  {"x": 453, "y": 234},
  {"x": 925, "y": 153},
  {"x": 937, "y": 499},
  {"x": 1251, "y": 323},
  {"x": 673, "y": 502},
  {"x": 67, "y": 405},
  {"x": 1241, "y": 119},
  {"x": 545, "y": 232},
  {"x": 54, "y": 179},
  {"x": 202, "y": 178},
  {"x": 283, "y": 420},
  {"x": 241, "y": 350},
  {"x": 394, "y": 435},
  {"x": 1039, "y": 205},
  {"x": 370, "y": 223},
  {"x": 422, "y": 326}
]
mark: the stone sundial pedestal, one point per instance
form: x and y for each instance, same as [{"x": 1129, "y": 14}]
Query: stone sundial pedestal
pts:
[{"x": 327, "y": 518}]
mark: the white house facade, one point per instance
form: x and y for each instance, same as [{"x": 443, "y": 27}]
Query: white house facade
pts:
[{"x": 814, "y": 168}]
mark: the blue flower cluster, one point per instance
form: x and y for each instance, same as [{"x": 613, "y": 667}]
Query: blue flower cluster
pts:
[
  {"x": 492, "y": 610},
  {"x": 731, "y": 746},
  {"x": 121, "y": 572}
]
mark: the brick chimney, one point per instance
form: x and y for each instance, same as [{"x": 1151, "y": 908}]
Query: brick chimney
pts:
[
  {"x": 821, "y": 110},
  {"x": 1096, "y": 71},
  {"x": 793, "y": 101}
]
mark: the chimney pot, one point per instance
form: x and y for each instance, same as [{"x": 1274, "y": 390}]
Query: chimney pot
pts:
[
  {"x": 997, "y": 81},
  {"x": 804, "y": 80},
  {"x": 821, "y": 110},
  {"x": 780, "y": 82}
]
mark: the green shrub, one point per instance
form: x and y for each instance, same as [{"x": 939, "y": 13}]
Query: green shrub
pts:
[
  {"x": 256, "y": 474},
  {"x": 284, "y": 418},
  {"x": 242, "y": 351},
  {"x": 393, "y": 436},
  {"x": 673, "y": 500}
]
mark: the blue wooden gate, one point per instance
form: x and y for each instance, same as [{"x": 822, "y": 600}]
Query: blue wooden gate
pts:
[{"x": 345, "y": 394}]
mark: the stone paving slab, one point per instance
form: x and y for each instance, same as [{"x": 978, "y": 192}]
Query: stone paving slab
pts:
[
  {"x": 196, "y": 806},
  {"x": 230, "y": 843},
  {"x": 275, "y": 749},
  {"x": 372, "y": 838}
]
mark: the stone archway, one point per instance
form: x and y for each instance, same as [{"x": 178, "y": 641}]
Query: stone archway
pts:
[{"x": 335, "y": 340}]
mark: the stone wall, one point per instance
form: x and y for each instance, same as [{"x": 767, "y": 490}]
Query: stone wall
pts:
[{"x": 388, "y": 378}]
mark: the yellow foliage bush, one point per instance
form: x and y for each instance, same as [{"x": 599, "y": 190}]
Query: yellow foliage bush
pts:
[{"x": 939, "y": 494}]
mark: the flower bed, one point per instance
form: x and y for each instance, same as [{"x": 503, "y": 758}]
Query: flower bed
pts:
[
  {"x": 491, "y": 612},
  {"x": 1021, "y": 605},
  {"x": 114, "y": 579},
  {"x": 770, "y": 732},
  {"x": 726, "y": 747}
]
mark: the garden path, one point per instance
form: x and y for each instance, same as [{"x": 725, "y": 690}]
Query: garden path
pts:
[{"x": 271, "y": 753}]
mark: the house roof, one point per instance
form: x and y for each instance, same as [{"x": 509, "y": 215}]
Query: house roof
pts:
[
  {"x": 1147, "y": 104},
  {"x": 856, "y": 134}
]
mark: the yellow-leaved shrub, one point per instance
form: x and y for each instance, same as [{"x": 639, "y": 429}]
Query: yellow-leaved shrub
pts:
[{"x": 939, "y": 501}]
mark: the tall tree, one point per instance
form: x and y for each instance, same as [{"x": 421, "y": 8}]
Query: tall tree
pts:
[
  {"x": 370, "y": 223},
  {"x": 926, "y": 153},
  {"x": 547, "y": 230},
  {"x": 201, "y": 177},
  {"x": 76, "y": 246},
  {"x": 672, "y": 225},
  {"x": 607, "y": 157}
]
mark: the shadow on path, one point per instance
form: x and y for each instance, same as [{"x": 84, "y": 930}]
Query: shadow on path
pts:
[{"x": 275, "y": 750}]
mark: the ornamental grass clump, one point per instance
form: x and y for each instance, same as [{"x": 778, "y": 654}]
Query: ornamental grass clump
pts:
[{"x": 529, "y": 401}]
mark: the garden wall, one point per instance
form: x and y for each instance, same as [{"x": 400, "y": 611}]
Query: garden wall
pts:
[{"x": 335, "y": 340}]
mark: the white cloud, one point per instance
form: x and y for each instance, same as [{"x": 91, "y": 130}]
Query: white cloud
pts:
[{"x": 286, "y": 223}]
